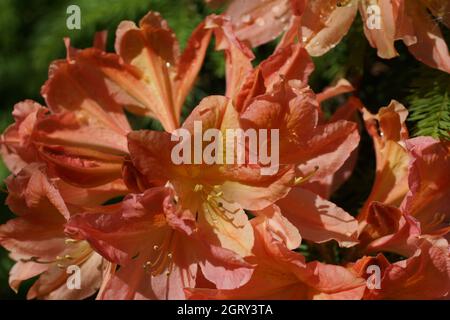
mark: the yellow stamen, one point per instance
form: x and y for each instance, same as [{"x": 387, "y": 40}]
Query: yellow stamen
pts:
[
  {"x": 71, "y": 241},
  {"x": 198, "y": 187},
  {"x": 300, "y": 180}
]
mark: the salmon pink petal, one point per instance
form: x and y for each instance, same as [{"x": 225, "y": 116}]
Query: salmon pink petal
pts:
[
  {"x": 381, "y": 37},
  {"x": 52, "y": 285},
  {"x": 281, "y": 227},
  {"x": 157, "y": 262},
  {"x": 133, "y": 282},
  {"x": 78, "y": 85},
  {"x": 258, "y": 22},
  {"x": 288, "y": 63},
  {"x": 190, "y": 63},
  {"x": 36, "y": 238},
  {"x": 391, "y": 230},
  {"x": 154, "y": 51},
  {"x": 22, "y": 271},
  {"x": 258, "y": 196},
  {"x": 388, "y": 131},
  {"x": 160, "y": 78},
  {"x": 238, "y": 56},
  {"x": 282, "y": 274},
  {"x": 226, "y": 226},
  {"x": 119, "y": 232},
  {"x": 37, "y": 232},
  {"x": 81, "y": 155},
  {"x": 273, "y": 233},
  {"x": 326, "y": 153},
  {"x": 331, "y": 282},
  {"x": 425, "y": 275},
  {"x": 429, "y": 188},
  {"x": 32, "y": 192},
  {"x": 430, "y": 47},
  {"x": 224, "y": 268},
  {"x": 342, "y": 86},
  {"x": 324, "y": 24},
  {"x": 90, "y": 197},
  {"x": 317, "y": 219},
  {"x": 244, "y": 184},
  {"x": 16, "y": 148},
  {"x": 292, "y": 109},
  {"x": 150, "y": 154}
]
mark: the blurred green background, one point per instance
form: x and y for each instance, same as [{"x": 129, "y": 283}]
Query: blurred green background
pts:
[{"x": 31, "y": 33}]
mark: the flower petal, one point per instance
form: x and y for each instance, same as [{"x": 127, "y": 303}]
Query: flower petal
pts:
[
  {"x": 429, "y": 188},
  {"x": 317, "y": 219},
  {"x": 324, "y": 24}
]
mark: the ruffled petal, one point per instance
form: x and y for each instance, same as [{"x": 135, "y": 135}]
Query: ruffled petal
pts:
[
  {"x": 258, "y": 22},
  {"x": 317, "y": 219},
  {"x": 388, "y": 131},
  {"x": 238, "y": 56},
  {"x": 324, "y": 24},
  {"x": 429, "y": 187},
  {"x": 430, "y": 46}
]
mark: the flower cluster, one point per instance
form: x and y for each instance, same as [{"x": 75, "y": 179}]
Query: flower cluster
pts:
[{"x": 221, "y": 230}]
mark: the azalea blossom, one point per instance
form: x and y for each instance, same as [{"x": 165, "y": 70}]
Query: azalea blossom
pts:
[
  {"x": 232, "y": 202},
  {"x": 38, "y": 243},
  {"x": 322, "y": 24},
  {"x": 275, "y": 95},
  {"x": 425, "y": 275},
  {"x": 215, "y": 195},
  {"x": 64, "y": 158},
  {"x": 283, "y": 274},
  {"x": 150, "y": 76},
  {"x": 403, "y": 165},
  {"x": 159, "y": 247}
]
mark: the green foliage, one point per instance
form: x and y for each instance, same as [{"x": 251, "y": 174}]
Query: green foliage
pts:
[
  {"x": 32, "y": 32},
  {"x": 430, "y": 104}
]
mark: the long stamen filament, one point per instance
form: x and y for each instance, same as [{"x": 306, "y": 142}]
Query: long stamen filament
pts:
[
  {"x": 300, "y": 180},
  {"x": 163, "y": 259}
]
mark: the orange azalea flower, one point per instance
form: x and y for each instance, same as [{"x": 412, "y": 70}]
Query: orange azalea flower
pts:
[
  {"x": 82, "y": 134},
  {"x": 429, "y": 187},
  {"x": 388, "y": 229},
  {"x": 425, "y": 275},
  {"x": 321, "y": 25},
  {"x": 37, "y": 241},
  {"x": 388, "y": 132},
  {"x": 151, "y": 77},
  {"x": 405, "y": 178},
  {"x": 258, "y": 22},
  {"x": 381, "y": 224},
  {"x": 274, "y": 95},
  {"x": 35, "y": 128},
  {"x": 265, "y": 97},
  {"x": 283, "y": 274},
  {"x": 83, "y": 131},
  {"x": 214, "y": 193},
  {"x": 158, "y": 246}
]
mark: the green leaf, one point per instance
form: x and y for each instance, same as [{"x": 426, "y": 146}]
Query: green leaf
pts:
[{"x": 430, "y": 104}]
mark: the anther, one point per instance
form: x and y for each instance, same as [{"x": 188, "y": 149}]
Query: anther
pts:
[{"x": 198, "y": 187}]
